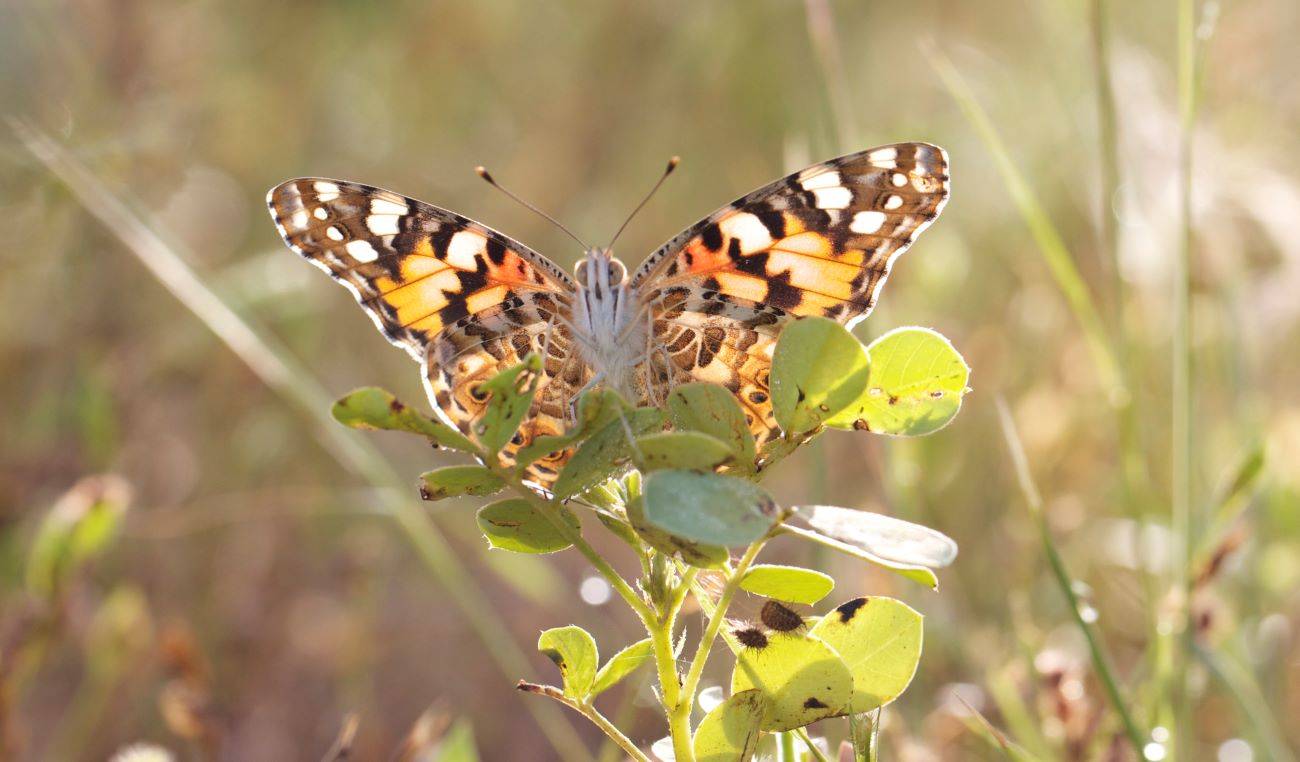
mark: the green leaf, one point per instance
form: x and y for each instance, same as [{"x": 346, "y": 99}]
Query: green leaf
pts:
[
  {"x": 691, "y": 450},
  {"x": 458, "y": 481},
  {"x": 81, "y": 525},
  {"x": 730, "y": 733},
  {"x": 711, "y": 409},
  {"x": 883, "y": 537},
  {"x": 509, "y": 394},
  {"x": 693, "y": 553},
  {"x": 818, "y": 370},
  {"x": 606, "y": 452},
  {"x": 596, "y": 408},
  {"x": 915, "y": 385},
  {"x": 880, "y": 641},
  {"x": 621, "y": 665},
  {"x": 787, "y": 583},
  {"x": 514, "y": 524},
  {"x": 375, "y": 408},
  {"x": 708, "y": 508},
  {"x": 802, "y": 678},
  {"x": 574, "y": 651}
]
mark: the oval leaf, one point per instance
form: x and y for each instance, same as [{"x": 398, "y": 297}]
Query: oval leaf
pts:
[
  {"x": 515, "y": 525},
  {"x": 787, "y": 583},
  {"x": 708, "y": 508},
  {"x": 573, "y": 650},
  {"x": 457, "y": 481},
  {"x": 712, "y": 410},
  {"x": 729, "y": 732},
  {"x": 509, "y": 395},
  {"x": 802, "y": 678},
  {"x": 621, "y": 665},
  {"x": 880, "y": 641},
  {"x": 691, "y": 450},
  {"x": 693, "y": 553},
  {"x": 596, "y": 408},
  {"x": 375, "y": 408},
  {"x": 606, "y": 452},
  {"x": 915, "y": 385},
  {"x": 818, "y": 370},
  {"x": 884, "y": 537}
]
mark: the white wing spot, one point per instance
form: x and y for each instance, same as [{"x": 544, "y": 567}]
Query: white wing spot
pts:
[
  {"x": 464, "y": 249},
  {"x": 893, "y": 202},
  {"x": 749, "y": 230},
  {"x": 299, "y": 218},
  {"x": 320, "y": 213},
  {"x": 881, "y": 155},
  {"x": 832, "y": 198},
  {"x": 899, "y": 179},
  {"x": 362, "y": 251},
  {"x": 384, "y": 206},
  {"x": 867, "y": 222},
  {"x": 325, "y": 191},
  {"x": 334, "y": 233},
  {"x": 382, "y": 224},
  {"x": 826, "y": 179}
]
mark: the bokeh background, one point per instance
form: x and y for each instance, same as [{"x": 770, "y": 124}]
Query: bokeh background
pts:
[{"x": 270, "y": 579}]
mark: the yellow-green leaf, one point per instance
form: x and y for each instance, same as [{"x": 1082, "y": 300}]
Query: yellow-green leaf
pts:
[
  {"x": 915, "y": 385},
  {"x": 509, "y": 394},
  {"x": 713, "y": 410},
  {"x": 458, "y": 481},
  {"x": 573, "y": 650},
  {"x": 802, "y": 678},
  {"x": 375, "y": 408},
  {"x": 880, "y": 641},
  {"x": 818, "y": 370},
  {"x": 514, "y": 524},
  {"x": 621, "y": 665},
  {"x": 691, "y": 450},
  {"x": 730, "y": 732},
  {"x": 787, "y": 583}
]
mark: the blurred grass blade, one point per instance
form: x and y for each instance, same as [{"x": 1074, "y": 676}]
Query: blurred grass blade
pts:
[
  {"x": 1050, "y": 243},
  {"x": 1100, "y": 660},
  {"x": 274, "y": 366},
  {"x": 980, "y": 726},
  {"x": 1252, "y": 705}
]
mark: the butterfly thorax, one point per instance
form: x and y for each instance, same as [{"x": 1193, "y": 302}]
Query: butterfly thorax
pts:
[{"x": 609, "y": 323}]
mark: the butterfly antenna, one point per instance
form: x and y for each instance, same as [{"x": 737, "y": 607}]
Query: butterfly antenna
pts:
[
  {"x": 483, "y": 173},
  {"x": 672, "y": 164}
]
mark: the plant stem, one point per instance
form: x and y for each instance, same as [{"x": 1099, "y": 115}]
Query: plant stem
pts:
[
  {"x": 586, "y": 709},
  {"x": 275, "y": 367},
  {"x": 1100, "y": 660},
  {"x": 680, "y": 716},
  {"x": 1181, "y": 357}
]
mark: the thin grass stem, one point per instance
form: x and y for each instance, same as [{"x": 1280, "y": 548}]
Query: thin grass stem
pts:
[{"x": 1096, "y": 650}]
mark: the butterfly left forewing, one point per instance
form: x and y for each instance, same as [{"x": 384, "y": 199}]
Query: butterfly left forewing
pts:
[{"x": 464, "y": 300}]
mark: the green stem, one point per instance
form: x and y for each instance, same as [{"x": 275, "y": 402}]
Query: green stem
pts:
[
  {"x": 586, "y": 709},
  {"x": 1100, "y": 660},
  {"x": 681, "y": 713}
]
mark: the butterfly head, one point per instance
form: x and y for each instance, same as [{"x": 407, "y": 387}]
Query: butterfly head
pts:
[{"x": 600, "y": 271}]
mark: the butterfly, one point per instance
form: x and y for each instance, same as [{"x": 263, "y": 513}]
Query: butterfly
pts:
[{"x": 468, "y": 302}]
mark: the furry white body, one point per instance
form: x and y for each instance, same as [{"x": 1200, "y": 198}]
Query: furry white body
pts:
[{"x": 609, "y": 323}]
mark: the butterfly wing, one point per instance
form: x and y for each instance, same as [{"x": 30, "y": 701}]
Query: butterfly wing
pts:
[
  {"x": 464, "y": 300},
  {"x": 818, "y": 242}
]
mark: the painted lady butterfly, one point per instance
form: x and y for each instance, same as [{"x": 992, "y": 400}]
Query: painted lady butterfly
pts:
[{"x": 468, "y": 302}]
